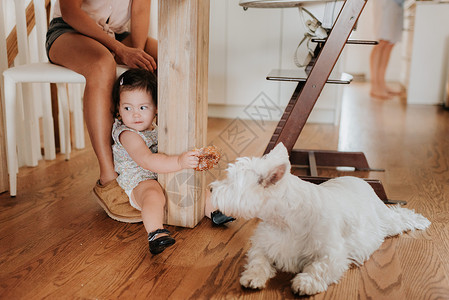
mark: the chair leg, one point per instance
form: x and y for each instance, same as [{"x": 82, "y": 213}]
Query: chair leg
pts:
[
  {"x": 10, "y": 124},
  {"x": 26, "y": 136},
  {"x": 22, "y": 146},
  {"x": 47, "y": 120},
  {"x": 64, "y": 126},
  {"x": 76, "y": 103},
  {"x": 31, "y": 123}
]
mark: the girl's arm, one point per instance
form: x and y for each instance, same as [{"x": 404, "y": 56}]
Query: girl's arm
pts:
[
  {"x": 156, "y": 162},
  {"x": 140, "y": 22},
  {"x": 77, "y": 18}
]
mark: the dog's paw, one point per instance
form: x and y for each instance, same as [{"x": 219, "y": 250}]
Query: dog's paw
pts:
[
  {"x": 305, "y": 284},
  {"x": 252, "y": 280}
]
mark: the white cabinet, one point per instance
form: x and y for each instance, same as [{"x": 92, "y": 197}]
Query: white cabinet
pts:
[
  {"x": 245, "y": 46},
  {"x": 426, "y": 51}
]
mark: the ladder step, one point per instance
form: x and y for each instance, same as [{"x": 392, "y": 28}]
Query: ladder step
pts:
[
  {"x": 348, "y": 42},
  {"x": 299, "y": 75},
  {"x": 331, "y": 158},
  {"x": 375, "y": 184}
]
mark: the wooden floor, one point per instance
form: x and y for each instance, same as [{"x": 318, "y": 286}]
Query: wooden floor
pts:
[{"x": 57, "y": 243}]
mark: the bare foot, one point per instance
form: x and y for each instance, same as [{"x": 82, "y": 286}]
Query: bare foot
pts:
[
  {"x": 394, "y": 92},
  {"x": 380, "y": 95}
]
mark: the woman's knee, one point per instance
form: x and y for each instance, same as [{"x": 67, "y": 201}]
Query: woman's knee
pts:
[
  {"x": 102, "y": 68},
  {"x": 151, "y": 47},
  {"x": 83, "y": 55}
]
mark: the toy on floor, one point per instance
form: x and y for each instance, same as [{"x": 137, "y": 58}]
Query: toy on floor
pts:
[{"x": 314, "y": 231}]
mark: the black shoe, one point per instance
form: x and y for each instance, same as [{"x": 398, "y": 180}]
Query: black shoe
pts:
[
  {"x": 157, "y": 245},
  {"x": 218, "y": 218}
]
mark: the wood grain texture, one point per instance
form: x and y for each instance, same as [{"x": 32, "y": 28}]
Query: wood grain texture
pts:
[
  {"x": 57, "y": 243},
  {"x": 182, "y": 94}
]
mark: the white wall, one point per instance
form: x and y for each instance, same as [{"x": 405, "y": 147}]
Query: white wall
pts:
[{"x": 245, "y": 46}]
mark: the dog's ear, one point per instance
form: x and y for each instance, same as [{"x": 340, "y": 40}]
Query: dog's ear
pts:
[
  {"x": 278, "y": 152},
  {"x": 273, "y": 176}
]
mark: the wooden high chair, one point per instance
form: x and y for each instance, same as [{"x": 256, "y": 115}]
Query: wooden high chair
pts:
[{"x": 311, "y": 81}]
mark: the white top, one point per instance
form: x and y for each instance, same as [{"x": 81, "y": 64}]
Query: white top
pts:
[{"x": 118, "y": 12}]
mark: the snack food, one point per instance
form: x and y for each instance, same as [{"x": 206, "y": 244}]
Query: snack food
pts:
[{"x": 208, "y": 158}]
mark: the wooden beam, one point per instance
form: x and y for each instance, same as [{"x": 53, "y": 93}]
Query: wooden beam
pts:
[{"x": 183, "y": 56}]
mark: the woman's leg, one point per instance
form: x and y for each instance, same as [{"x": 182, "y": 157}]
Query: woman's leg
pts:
[
  {"x": 150, "y": 46},
  {"x": 378, "y": 65},
  {"x": 383, "y": 63},
  {"x": 385, "y": 59},
  {"x": 96, "y": 63},
  {"x": 150, "y": 197}
]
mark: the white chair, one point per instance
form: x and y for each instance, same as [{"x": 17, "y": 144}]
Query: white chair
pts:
[
  {"x": 43, "y": 72},
  {"x": 33, "y": 100}
]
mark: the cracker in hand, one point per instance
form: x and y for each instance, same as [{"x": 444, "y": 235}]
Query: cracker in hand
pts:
[{"x": 208, "y": 158}]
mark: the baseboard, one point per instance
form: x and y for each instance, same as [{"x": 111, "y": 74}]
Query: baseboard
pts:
[{"x": 318, "y": 115}]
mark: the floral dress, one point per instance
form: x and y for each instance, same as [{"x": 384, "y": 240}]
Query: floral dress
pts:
[{"x": 130, "y": 173}]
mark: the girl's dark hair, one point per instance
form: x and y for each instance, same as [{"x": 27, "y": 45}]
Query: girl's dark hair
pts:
[{"x": 134, "y": 79}]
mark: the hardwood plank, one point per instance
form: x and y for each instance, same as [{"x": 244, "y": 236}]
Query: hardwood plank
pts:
[
  {"x": 426, "y": 278},
  {"x": 381, "y": 275}
]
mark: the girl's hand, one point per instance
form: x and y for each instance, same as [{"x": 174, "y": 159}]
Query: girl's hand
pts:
[
  {"x": 135, "y": 58},
  {"x": 188, "y": 160}
]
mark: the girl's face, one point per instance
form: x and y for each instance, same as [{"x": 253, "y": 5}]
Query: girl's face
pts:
[{"x": 137, "y": 109}]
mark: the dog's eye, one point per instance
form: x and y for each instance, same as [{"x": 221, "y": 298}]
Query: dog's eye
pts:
[{"x": 210, "y": 189}]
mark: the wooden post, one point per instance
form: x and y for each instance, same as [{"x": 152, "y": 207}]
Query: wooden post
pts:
[
  {"x": 4, "y": 186},
  {"x": 3, "y": 167},
  {"x": 183, "y": 55}
]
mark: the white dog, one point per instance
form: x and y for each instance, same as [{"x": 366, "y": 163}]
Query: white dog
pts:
[{"x": 314, "y": 231}]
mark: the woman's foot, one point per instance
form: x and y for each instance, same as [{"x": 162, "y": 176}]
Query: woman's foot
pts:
[
  {"x": 218, "y": 218},
  {"x": 394, "y": 92},
  {"x": 113, "y": 199},
  {"x": 383, "y": 95},
  {"x": 159, "y": 244}
]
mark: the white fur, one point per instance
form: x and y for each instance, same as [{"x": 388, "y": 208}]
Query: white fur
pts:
[{"x": 314, "y": 231}]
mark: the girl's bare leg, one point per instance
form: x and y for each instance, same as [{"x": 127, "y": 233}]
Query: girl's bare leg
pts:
[{"x": 150, "y": 197}]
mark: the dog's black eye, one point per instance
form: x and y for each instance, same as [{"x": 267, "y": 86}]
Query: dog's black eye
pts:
[{"x": 210, "y": 189}]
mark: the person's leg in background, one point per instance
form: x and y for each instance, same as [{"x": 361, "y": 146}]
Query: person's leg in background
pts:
[{"x": 380, "y": 56}]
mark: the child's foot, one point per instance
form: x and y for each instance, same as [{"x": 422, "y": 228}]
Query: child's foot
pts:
[
  {"x": 218, "y": 218},
  {"x": 159, "y": 244}
]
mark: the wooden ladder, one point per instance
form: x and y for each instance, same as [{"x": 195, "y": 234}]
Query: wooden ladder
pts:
[{"x": 303, "y": 99}]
